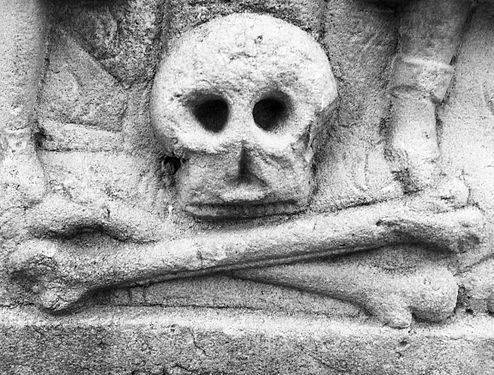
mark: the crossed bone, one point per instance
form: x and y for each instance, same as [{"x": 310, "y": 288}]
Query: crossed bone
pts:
[{"x": 60, "y": 272}]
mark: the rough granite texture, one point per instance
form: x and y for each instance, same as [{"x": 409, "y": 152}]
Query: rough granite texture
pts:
[{"x": 386, "y": 264}]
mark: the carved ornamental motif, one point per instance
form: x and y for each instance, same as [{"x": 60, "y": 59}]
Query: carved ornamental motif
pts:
[
  {"x": 243, "y": 112},
  {"x": 227, "y": 125}
]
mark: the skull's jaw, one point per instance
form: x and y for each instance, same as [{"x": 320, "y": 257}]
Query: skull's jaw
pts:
[
  {"x": 244, "y": 210},
  {"x": 206, "y": 191},
  {"x": 217, "y": 198}
]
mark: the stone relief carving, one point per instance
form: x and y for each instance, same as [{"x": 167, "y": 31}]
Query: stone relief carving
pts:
[
  {"x": 230, "y": 128},
  {"x": 245, "y": 120}
]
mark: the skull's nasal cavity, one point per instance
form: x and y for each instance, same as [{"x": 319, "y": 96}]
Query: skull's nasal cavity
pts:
[
  {"x": 211, "y": 112},
  {"x": 245, "y": 176}
]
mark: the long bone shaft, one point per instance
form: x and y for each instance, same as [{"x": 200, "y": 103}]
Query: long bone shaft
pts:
[
  {"x": 22, "y": 55},
  {"x": 430, "y": 34},
  {"x": 61, "y": 272}
]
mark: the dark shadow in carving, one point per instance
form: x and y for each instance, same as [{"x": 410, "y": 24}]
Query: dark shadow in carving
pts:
[
  {"x": 212, "y": 112},
  {"x": 271, "y": 112}
]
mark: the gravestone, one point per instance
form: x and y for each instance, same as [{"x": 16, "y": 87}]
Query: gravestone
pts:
[{"x": 249, "y": 187}]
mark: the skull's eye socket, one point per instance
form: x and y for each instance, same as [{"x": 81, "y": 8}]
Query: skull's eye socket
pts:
[
  {"x": 271, "y": 112},
  {"x": 211, "y": 112}
]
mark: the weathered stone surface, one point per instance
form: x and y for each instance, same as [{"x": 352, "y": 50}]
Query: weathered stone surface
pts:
[
  {"x": 346, "y": 220},
  {"x": 123, "y": 36},
  {"x": 243, "y": 113},
  {"x": 21, "y": 60},
  {"x": 204, "y": 341}
]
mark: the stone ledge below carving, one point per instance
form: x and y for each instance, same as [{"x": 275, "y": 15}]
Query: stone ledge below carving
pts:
[{"x": 203, "y": 341}]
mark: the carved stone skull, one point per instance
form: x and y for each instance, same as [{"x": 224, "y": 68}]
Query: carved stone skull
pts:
[{"x": 242, "y": 101}]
